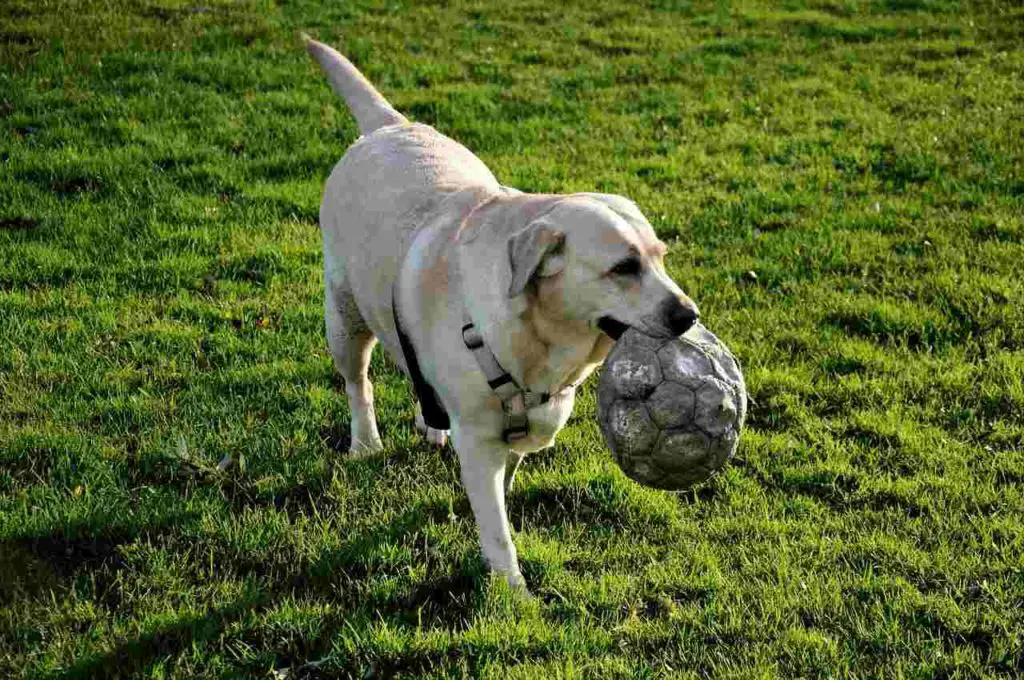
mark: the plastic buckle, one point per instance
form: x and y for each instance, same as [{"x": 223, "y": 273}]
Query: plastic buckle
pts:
[
  {"x": 517, "y": 426},
  {"x": 515, "y": 404},
  {"x": 471, "y": 337}
]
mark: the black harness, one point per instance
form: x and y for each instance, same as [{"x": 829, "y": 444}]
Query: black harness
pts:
[{"x": 433, "y": 410}]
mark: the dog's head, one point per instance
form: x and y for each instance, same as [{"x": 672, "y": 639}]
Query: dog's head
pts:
[{"x": 595, "y": 258}]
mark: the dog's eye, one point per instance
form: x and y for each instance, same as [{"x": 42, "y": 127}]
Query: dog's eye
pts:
[{"x": 629, "y": 267}]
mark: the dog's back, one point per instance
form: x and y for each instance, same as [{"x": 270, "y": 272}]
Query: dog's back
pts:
[{"x": 388, "y": 183}]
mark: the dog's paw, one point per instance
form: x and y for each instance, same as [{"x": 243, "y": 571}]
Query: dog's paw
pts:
[
  {"x": 437, "y": 437},
  {"x": 370, "y": 447},
  {"x": 432, "y": 435},
  {"x": 514, "y": 582}
]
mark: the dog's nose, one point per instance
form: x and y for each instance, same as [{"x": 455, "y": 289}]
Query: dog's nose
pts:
[{"x": 679, "y": 315}]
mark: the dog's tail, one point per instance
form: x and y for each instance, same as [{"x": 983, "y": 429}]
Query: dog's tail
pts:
[{"x": 369, "y": 107}]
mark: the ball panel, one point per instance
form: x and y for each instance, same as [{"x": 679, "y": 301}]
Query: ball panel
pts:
[
  {"x": 709, "y": 342},
  {"x": 699, "y": 334},
  {"x": 632, "y": 432},
  {"x": 681, "y": 362},
  {"x": 641, "y": 470},
  {"x": 682, "y": 451},
  {"x": 740, "y": 398},
  {"x": 723, "y": 447},
  {"x": 635, "y": 373},
  {"x": 606, "y": 396},
  {"x": 715, "y": 410},
  {"x": 633, "y": 339},
  {"x": 729, "y": 367},
  {"x": 671, "y": 409},
  {"x": 671, "y": 405}
]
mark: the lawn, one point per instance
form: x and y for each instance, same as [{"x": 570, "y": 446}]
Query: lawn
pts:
[{"x": 840, "y": 182}]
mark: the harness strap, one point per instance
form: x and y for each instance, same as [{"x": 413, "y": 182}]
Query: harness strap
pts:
[
  {"x": 515, "y": 400},
  {"x": 434, "y": 413}
]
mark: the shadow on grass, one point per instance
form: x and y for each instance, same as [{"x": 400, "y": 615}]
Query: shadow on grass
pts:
[
  {"x": 32, "y": 565},
  {"x": 347, "y": 576},
  {"x": 133, "y": 656},
  {"x": 545, "y": 507},
  {"x": 599, "y": 505},
  {"x": 357, "y": 578}
]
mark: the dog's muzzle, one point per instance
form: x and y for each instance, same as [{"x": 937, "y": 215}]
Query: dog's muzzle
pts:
[
  {"x": 674, "y": 317},
  {"x": 678, "y": 316}
]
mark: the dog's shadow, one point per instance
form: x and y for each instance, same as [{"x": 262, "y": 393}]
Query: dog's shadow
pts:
[
  {"x": 34, "y": 565},
  {"x": 449, "y": 598}
]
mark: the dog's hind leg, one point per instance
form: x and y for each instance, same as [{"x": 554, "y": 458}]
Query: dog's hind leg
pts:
[{"x": 351, "y": 343}]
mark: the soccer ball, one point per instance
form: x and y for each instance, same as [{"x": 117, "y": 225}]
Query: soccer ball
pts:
[{"x": 671, "y": 409}]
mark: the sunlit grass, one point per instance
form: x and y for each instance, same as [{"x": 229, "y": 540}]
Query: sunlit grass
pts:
[{"x": 175, "y": 496}]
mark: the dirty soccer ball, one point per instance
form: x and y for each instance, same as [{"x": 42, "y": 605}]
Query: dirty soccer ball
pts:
[{"x": 671, "y": 409}]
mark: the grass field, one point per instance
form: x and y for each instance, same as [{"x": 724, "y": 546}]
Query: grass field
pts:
[{"x": 160, "y": 312}]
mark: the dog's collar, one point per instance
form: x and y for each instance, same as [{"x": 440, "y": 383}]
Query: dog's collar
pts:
[{"x": 515, "y": 399}]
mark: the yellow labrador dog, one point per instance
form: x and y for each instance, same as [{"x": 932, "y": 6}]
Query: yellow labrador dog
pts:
[{"x": 496, "y": 303}]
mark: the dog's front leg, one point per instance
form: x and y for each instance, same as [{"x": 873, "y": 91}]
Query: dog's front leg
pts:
[{"x": 483, "y": 461}]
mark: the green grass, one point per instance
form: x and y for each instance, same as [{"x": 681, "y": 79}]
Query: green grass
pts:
[{"x": 160, "y": 310}]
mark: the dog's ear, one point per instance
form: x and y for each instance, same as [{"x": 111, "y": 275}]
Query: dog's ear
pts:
[{"x": 535, "y": 250}]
